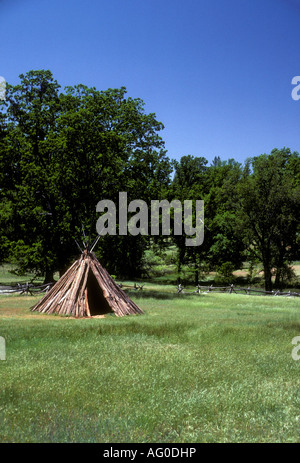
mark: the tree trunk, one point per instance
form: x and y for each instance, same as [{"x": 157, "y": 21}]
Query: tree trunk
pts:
[
  {"x": 63, "y": 270},
  {"x": 268, "y": 277},
  {"x": 196, "y": 277},
  {"x": 279, "y": 270},
  {"x": 278, "y": 279},
  {"x": 49, "y": 276}
]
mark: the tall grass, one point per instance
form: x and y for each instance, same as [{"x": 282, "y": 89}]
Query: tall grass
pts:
[{"x": 208, "y": 368}]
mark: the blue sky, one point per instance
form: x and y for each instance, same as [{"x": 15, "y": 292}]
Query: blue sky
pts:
[{"x": 217, "y": 73}]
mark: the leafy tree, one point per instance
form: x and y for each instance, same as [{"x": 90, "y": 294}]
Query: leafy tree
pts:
[
  {"x": 269, "y": 211},
  {"x": 62, "y": 152},
  {"x": 31, "y": 111},
  {"x": 217, "y": 186},
  {"x": 188, "y": 184},
  {"x": 224, "y": 243}
]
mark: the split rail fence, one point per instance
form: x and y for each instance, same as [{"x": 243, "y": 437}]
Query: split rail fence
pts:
[
  {"x": 25, "y": 288},
  {"x": 234, "y": 289},
  {"x": 32, "y": 289}
]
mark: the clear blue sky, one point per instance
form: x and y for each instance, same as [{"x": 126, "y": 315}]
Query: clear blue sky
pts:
[{"x": 217, "y": 73}]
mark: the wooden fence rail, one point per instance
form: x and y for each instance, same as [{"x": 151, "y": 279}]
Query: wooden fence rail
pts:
[
  {"x": 233, "y": 289},
  {"x": 25, "y": 288},
  {"x": 31, "y": 289}
]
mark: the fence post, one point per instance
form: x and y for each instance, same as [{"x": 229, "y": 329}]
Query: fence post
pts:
[
  {"x": 179, "y": 288},
  {"x": 198, "y": 290}
]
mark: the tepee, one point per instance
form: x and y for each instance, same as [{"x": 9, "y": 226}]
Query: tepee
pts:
[{"x": 86, "y": 290}]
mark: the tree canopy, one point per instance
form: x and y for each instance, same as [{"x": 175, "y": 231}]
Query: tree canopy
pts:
[
  {"x": 62, "y": 151},
  {"x": 269, "y": 200}
]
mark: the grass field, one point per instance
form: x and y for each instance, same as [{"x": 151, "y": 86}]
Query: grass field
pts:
[{"x": 208, "y": 368}]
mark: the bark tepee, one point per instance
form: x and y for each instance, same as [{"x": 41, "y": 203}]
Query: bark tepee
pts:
[{"x": 86, "y": 290}]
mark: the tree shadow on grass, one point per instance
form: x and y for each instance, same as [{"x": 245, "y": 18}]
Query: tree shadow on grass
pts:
[
  {"x": 149, "y": 294},
  {"x": 168, "y": 330}
]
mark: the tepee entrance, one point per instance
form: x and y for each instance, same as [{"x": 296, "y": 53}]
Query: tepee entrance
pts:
[{"x": 86, "y": 290}]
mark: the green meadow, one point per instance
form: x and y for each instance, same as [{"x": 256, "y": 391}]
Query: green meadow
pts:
[{"x": 193, "y": 368}]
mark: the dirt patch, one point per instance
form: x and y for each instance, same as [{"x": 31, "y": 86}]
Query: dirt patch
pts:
[
  {"x": 240, "y": 273},
  {"x": 296, "y": 269}
]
